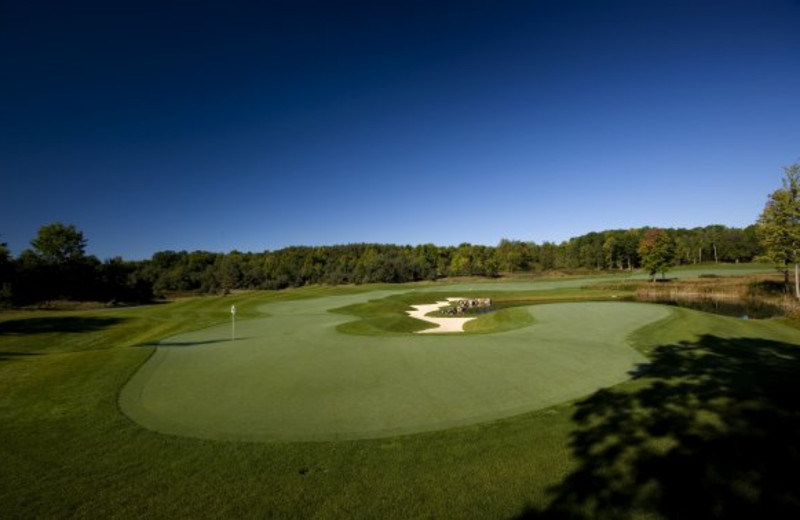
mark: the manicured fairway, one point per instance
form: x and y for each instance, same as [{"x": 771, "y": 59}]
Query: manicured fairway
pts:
[
  {"x": 292, "y": 376},
  {"x": 708, "y": 430}
]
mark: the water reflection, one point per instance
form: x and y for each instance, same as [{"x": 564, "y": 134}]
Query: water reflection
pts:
[{"x": 739, "y": 309}]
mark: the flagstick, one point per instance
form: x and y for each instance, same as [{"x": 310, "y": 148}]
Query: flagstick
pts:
[{"x": 233, "y": 322}]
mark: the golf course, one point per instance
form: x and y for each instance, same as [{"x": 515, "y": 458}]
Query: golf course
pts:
[
  {"x": 400, "y": 260},
  {"x": 293, "y": 376},
  {"x": 324, "y": 403}
]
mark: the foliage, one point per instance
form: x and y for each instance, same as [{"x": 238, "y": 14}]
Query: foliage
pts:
[
  {"x": 779, "y": 223},
  {"x": 5, "y": 255},
  {"x": 297, "y": 266},
  {"x": 6, "y": 274},
  {"x": 58, "y": 268},
  {"x": 657, "y": 250},
  {"x": 58, "y": 243}
]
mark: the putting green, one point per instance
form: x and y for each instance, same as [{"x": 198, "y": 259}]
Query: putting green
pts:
[{"x": 291, "y": 376}]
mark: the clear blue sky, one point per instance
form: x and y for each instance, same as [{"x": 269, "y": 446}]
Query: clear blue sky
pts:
[{"x": 156, "y": 125}]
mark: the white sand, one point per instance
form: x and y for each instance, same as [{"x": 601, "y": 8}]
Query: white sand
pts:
[{"x": 444, "y": 324}]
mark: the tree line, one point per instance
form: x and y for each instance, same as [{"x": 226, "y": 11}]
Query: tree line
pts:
[{"x": 56, "y": 266}]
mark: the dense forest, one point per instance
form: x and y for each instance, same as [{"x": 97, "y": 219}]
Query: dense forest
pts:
[{"x": 56, "y": 267}]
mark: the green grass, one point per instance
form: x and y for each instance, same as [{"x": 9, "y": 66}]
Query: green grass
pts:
[
  {"x": 708, "y": 429},
  {"x": 387, "y": 315},
  {"x": 293, "y": 376},
  {"x": 500, "y": 320},
  {"x": 379, "y": 317},
  {"x": 720, "y": 269}
]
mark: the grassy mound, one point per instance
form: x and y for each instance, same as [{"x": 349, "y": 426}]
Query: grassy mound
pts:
[
  {"x": 387, "y": 316},
  {"x": 500, "y": 320},
  {"x": 380, "y": 317}
]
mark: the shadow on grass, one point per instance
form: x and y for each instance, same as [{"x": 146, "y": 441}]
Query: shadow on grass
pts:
[
  {"x": 189, "y": 343},
  {"x": 5, "y": 356},
  {"x": 71, "y": 324},
  {"x": 710, "y": 430}
]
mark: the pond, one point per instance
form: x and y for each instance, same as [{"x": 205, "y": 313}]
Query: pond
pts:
[{"x": 747, "y": 309}]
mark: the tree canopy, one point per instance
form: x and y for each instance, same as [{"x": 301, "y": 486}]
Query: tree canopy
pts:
[
  {"x": 57, "y": 267},
  {"x": 779, "y": 224},
  {"x": 59, "y": 243},
  {"x": 657, "y": 251}
]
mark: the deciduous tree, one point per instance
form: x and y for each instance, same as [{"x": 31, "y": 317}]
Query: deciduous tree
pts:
[
  {"x": 657, "y": 250},
  {"x": 59, "y": 243},
  {"x": 778, "y": 226}
]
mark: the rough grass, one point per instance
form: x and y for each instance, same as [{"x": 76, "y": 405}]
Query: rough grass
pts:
[
  {"x": 707, "y": 429},
  {"x": 761, "y": 290}
]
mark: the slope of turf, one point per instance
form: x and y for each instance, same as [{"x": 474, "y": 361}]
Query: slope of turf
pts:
[
  {"x": 501, "y": 320},
  {"x": 707, "y": 429},
  {"x": 387, "y": 315},
  {"x": 293, "y": 376}
]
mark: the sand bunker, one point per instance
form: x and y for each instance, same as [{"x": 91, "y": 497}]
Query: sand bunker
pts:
[{"x": 443, "y": 324}]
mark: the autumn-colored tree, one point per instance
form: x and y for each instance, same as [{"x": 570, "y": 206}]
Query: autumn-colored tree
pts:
[
  {"x": 778, "y": 227},
  {"x": 657, "y": 251}
]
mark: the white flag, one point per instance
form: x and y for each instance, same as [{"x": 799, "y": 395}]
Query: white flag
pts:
[{"x": 233, "y": 309}]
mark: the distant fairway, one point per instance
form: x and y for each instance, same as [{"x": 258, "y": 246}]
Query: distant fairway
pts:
[{"x": 292, "y": 376}]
